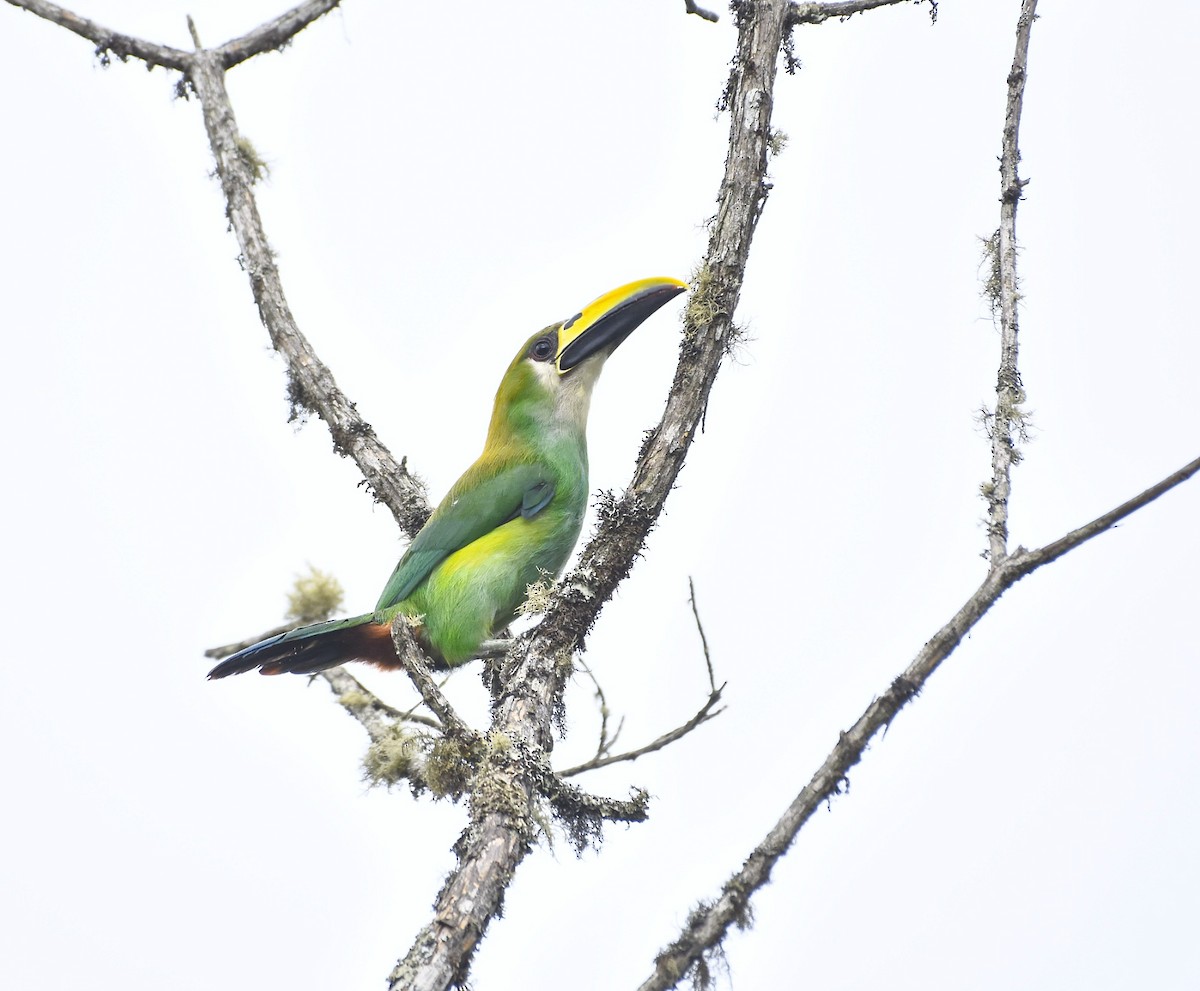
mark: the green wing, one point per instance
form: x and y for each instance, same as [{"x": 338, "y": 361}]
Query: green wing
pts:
[{"x": 469, "y": 510}]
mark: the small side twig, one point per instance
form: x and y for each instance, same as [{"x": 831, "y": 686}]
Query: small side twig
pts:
[
  {"x": 606, "y": 742},
  {"x": 712, "y": 682},
  {"x": 377, "y": 717},
  {"x": 704, "y": 714}
]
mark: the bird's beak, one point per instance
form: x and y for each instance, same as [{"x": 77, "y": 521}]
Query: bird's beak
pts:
[{"x": 605, "y": 322}]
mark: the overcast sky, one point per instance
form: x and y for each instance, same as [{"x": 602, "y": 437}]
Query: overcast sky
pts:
[{"x": 444, "y": 181}]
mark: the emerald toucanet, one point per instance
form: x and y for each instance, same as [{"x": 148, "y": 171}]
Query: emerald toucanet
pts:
[{"x": 511, "y": 520}]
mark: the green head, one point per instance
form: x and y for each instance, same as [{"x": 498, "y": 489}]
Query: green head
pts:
[{"x": 550, "y": 381}]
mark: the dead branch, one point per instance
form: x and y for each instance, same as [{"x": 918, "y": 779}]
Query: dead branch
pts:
[
  {"x": 418, "y": 672},
  {"x": 819, "y": 13},
  {"x": 377, "y": 717},
  {"x": 275, "y": 34},
  {"x": 311, "y": 386},
  {"x": 496, "y": 841},
  {"x": 108, "y": 42},
  {"x": 606, "y": 742},
  {"x": 712, "y": 683},
  {"x": 704, "y": 714},
  {"x": 1007, "y": 423},
  {"x": 707, "y": 925}
]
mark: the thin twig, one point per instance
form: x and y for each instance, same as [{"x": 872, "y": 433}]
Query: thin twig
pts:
[
  {"x": 377, "y": 717},
  {"x": 707, "y": 925},
  {"x": 1007, "y": 423},
  {"x": 311, "y": 386},
  {"x": 712, "y": 682},
  {"x": 606, "y": 742},
  {"x": 704, "y": 714}
]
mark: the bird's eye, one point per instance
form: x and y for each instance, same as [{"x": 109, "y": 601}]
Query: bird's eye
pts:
[{"x": 542, "y": 350}]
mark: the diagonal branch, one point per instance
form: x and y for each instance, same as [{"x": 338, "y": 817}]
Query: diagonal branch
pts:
[
  {"x": 377, "y": 717},
  {"x": 274, "y": 34},
  {"x": 1008, "y": 423},
  {"x": 707, "y": 926},
  {"x": 311, "y": 385},
  {"x": 418, "y": 672},
  {"x": 107, "y": 40}
]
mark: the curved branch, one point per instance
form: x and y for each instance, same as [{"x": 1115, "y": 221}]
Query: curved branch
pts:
[{"x": 311, "y": 385}]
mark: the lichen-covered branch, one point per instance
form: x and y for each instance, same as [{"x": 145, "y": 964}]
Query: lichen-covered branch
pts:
[
  {"x": 418, "y": 672},
  {"x": 819, "y": 13},
  {"x": 709, "y": 923},
  {"x": 311, "y": 385},
  {"x": 496, "y": 840},
  {"x": 1007, "y": 423}
]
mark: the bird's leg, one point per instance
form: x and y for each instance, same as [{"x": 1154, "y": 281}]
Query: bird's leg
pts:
[{"x": 494, "y": 648}]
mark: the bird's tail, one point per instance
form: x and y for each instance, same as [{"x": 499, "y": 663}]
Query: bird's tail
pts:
[{"x": 310, "y": 649}]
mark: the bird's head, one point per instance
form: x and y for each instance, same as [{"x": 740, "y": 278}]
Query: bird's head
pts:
[{"x": 555, "y": 371}]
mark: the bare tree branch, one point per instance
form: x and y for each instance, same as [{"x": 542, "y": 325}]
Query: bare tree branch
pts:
[
  {"x": 1007, "y": 423},
  {"x": 274, "y": 34},
  {"x": 121, "y": 45},
  {"x": 708, "y": 924},
  {"x": 417, "y": 670},
  {"x": 819, "y": 13},
  {"x": 712, "y": 683},
  {"x": 377, "y": 717},
  {"x": 606, "y": 742},
  {"x": 311, "y": 385},
  {"x": 496, "y": 840}
]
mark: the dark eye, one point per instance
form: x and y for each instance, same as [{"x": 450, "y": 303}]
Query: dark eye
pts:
[{"x": 542, "y": 350}]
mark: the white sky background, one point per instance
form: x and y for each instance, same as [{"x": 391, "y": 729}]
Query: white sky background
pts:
[{"x": 442, "y": 185}]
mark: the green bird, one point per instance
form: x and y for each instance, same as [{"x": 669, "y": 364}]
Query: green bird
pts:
[{"x": 511, "y": 520}]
